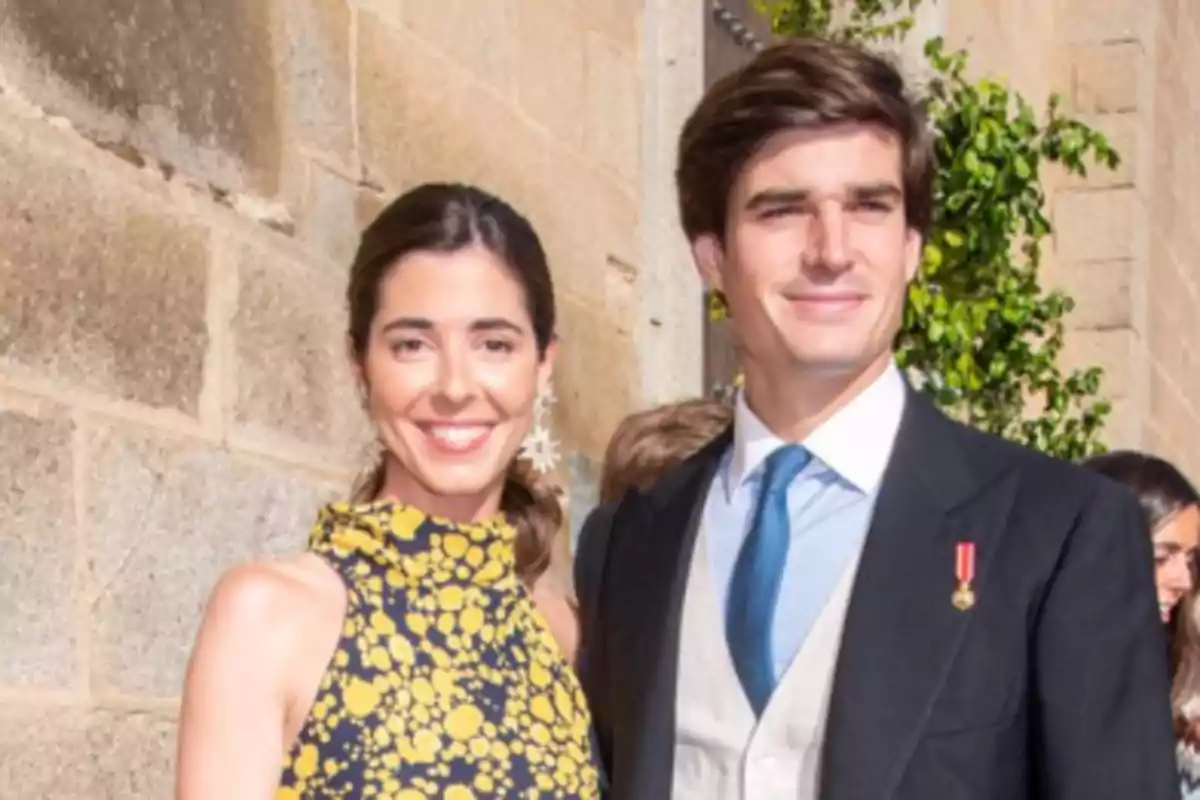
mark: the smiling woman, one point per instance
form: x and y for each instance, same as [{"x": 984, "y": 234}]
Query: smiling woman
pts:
[{"x": 412, "y": 649}]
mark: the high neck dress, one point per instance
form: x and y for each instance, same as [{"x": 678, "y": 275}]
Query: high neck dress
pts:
[{"x": 446, "y": 682}]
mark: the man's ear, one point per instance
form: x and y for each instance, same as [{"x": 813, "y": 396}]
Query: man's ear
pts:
[
  {"x": 709, "y": 257},
  {"x": 914, "y": 249}
]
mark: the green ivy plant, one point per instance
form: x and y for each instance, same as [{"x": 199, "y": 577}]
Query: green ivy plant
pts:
[{"x": 981, "y": 336}]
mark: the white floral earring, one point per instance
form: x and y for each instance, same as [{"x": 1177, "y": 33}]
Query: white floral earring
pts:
[{"x": 540, "y": 447}]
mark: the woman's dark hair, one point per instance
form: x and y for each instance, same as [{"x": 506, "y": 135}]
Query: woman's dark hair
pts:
[
  {"x": 1163, "y": 492},
  {"x": 446, "y": 218},
  {"x": 1161, "y": 489}
]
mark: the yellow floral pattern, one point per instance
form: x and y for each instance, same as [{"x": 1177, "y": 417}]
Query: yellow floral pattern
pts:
[{"x": 446, "y": 682}]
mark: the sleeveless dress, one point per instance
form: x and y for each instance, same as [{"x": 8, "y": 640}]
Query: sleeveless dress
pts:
[{"x": 445, "y": 683}]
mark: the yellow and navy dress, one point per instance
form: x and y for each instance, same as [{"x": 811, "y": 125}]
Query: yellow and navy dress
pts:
[{"x": 446, "y": 683}]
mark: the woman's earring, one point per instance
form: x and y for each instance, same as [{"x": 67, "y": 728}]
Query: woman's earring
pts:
[{"x": 540, "y": 447}]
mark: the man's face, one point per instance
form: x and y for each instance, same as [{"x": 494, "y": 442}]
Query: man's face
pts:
[{"x": 817, "y": 253}]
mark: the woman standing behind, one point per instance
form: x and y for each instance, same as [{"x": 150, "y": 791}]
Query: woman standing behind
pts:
[
  {"x": 404, "y": 654},
  {"x": 1172, "y": 508}
]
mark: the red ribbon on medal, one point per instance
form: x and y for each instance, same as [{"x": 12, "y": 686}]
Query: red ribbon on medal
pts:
[{"x": 964, "y": 572}]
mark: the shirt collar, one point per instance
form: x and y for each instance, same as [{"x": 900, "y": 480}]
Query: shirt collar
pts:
[{"x": 856, "y": 442}]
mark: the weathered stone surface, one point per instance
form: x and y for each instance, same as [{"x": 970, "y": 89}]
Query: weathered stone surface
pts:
[
  {"x": 99, "y": 287},
  {"x": 1087, "y": 21},
  {"x": 166, "y": 518},
  {"x": 620, "y": 20},
  {"x": 613, "y": 128},
  {"x": 1101, "y": 293},
  {"x": 192, "y": 83},
  {"x": 1095, "y": 225},
  {"x": 43, "y": 753},
  {"x": 132, "y": 755},
  {"x": 69, "y": 753},
  {"x": 315, "y": 69},
  {"x": 592, "y": 377},
  {"x": 550, "y": 68},
  {"x": 1172, "y": 412},
  {"x": 37, "y": 552},
  {"x": 413, "y": 108},
  {"x": 477, "y": 36},
  {"x": 1107, "y": 76},
  {"x": 337, "y": 212},
  {"x": 412, "y": 133},
  {"x": 290, "y": 360}
]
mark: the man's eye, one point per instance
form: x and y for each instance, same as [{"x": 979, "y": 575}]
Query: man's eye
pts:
[{"x": 499, "y": 346}]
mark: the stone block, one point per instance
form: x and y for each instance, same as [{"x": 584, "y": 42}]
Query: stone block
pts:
[
  {"x": 131, "y": 755},
  {"x": 290, "y": 365},
  {"x": 477, "y": 36},
  {"x": 1089, "y": 22},
  {"x": 412, "y": 133},
  {"x": 1106, "y": 77},
  {"x": 1172, "y": 347},
  {"x": 550, "y": 69},
  {"x": 100, "y": 287},
  {"x": 1171, "y": 411},
  {"x": 336, "y": 213},
  {"x": 193, "y": 84},
  {"x": 1101, "y": 293},
  {"x": 315, "y": 71},
  {"x": 1095, "y": 225},
  {"x": 412, "y": 107},
  {"x": 1112, "y": 350},
  {"x": 166, "y": 516},
  {"x": 38, "y": 623},
  {"x": 612, "y": 132},
  {"x": 594, "y": 374},
  {"x": 621, "y": 298},
  {"x": 43, "y": 753},
  {"x": 1170, "y": 290},
  {"x": 69, "y": 753},
  {"x": 619, "y": 20}
]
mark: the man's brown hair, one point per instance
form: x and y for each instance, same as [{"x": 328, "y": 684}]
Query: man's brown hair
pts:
[
  {"x": 796, "y": 84},
  {"x": 648, "y": 443}
]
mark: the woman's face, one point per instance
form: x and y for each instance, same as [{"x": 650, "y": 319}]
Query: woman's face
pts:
[
  {"x": 1175, "y": 542},
  {"x": 451, "y": 373}
]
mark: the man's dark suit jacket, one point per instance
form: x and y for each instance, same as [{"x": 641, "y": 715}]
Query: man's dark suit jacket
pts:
[{"x": 1054, "y": 686}]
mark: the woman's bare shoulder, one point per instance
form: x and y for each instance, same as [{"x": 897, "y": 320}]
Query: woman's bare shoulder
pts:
[{"x": 272, "y": 604}]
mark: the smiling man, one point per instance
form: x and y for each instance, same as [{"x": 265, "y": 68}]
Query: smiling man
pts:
[{"x": 848, "y": 596}]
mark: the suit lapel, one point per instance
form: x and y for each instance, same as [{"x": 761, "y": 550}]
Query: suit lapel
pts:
[
  {"x": 655, "y": 549},
  {"x": 902, "y": 631}
]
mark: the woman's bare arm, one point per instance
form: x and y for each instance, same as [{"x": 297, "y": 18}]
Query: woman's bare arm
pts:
[{"x": 244, "y": 680}]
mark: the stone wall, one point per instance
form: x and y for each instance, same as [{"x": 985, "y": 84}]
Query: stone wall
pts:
[
  {"x": 1124, "y": 245},
  {"x": 181, "y": 184}
]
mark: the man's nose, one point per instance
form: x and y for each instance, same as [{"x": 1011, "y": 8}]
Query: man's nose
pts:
[{"x": 829, "y": 246}]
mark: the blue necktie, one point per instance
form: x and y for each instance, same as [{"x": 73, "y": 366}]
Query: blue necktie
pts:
[{"x": 754, "y": 589}]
